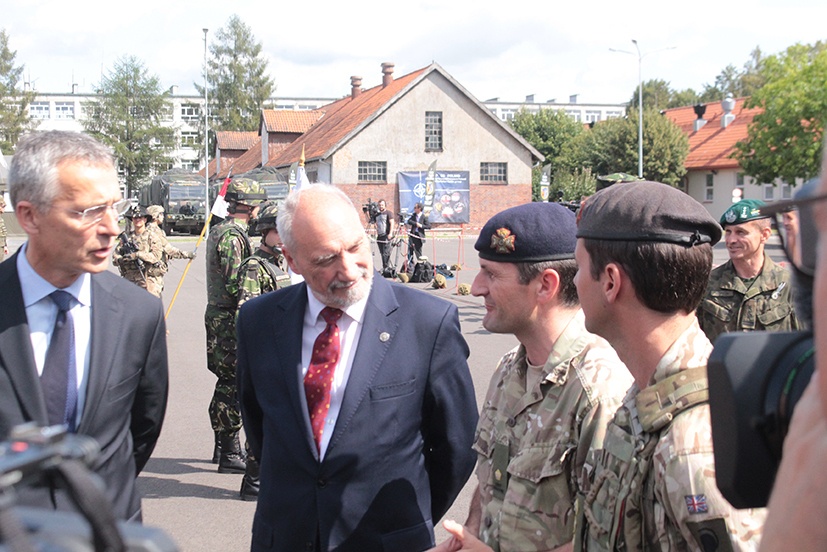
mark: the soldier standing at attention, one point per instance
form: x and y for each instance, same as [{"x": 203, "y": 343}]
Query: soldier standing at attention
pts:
[
  {"x": 260, "y": 273},
  {"x": 551, "y": 397},
  {"x": 139, "y": 254},
  {"x": 228, "y": 245},
  {"x": 155, "y": 225},
  {"x": 749, "y": 292}
]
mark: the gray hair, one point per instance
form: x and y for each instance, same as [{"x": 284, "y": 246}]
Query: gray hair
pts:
[
  {"x": 33, "y": 175},
  {"x": 284, "y": 222}
]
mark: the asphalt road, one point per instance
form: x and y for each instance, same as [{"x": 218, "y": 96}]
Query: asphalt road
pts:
[{"x": 183, "y": 493}]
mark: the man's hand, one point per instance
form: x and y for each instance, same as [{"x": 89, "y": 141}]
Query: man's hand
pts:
[{"x": 461, "y": 539}]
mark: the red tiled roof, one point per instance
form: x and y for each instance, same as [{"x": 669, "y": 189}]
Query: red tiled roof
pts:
[
  {"x": 290, "y": 120},
  {"x": 711, "y": 146},
  {"x": 341, "y": 118},
  {"x": 247, "y": 162},
  {"x": 235, "y": 140}
]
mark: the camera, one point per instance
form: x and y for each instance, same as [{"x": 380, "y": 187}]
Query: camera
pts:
[
  {"x": 371, "y": 209},
  {"x": 35, "y": 456}
]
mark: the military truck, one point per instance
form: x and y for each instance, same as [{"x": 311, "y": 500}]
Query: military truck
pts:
[
  {"x": 271, "y": 180},
  {"x": 181, "y": 193}
]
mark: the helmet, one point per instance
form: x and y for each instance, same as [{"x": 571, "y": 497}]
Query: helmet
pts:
[
  {"x": 245, "y": 191},
  {"x": 156, "y": 212},
  {"x": 138, "y": 211},
  {"x": 267, "y": 214}
]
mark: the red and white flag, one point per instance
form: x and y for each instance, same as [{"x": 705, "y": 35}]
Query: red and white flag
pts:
[{"x": 221, "y": 208}]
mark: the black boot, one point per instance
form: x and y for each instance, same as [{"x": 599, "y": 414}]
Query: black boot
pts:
[
  {"x": 231, "y": 459},
  {"x": 250, "y": 482},
  {"x": 216, "y": 451}
]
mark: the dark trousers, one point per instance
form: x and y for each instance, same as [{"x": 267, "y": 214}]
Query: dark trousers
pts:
[
  {"x": 384, "y": 250},
  {"x": 414, "y": 250}
]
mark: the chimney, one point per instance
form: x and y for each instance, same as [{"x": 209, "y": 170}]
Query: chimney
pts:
[
  {"x": 727, "y": 105},
  {"x": 529, "y": 98},
  {"x": 573, "y": 98},
  {"x": 173, "y": 90},
  {"x": 74, "y": 88},
  {"x": 355, "y": 86},
  {"x": 699, "y": 123},
  {"x": 387, "y": 73}
]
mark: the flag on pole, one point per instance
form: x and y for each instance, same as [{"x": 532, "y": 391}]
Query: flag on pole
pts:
[
  {"x": 301, "y": 176},
  {"x": 221, "y": 208},
  {"x": 430, "y": 188}
]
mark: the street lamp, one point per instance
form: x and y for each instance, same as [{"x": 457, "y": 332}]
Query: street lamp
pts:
[
  {"x": 639, "y": 99},
  {"x": 206, "y": 140}
]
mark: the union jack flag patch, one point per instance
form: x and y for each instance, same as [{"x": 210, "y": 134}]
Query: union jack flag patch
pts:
[{"x": 696, "y": 504}]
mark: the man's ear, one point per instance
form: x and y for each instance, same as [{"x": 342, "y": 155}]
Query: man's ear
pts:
[
  {"x": 550, "y": 285},
  {"x": 291, "y": 263},
  {"x": 612, "y": 280},
  {"x": 28, "y": 217}
]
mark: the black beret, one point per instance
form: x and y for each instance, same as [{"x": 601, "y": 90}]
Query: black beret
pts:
[
  {"x": 532, "y": 232},
  {"x": 648, "y": 212}
]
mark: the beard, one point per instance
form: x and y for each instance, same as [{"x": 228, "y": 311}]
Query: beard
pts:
[{"x": 341, "y": 295}]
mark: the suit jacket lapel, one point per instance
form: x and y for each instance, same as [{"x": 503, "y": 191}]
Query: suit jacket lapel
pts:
[
  {"x": 378, "y": 332},
  {"x": 16, "y": 355},
  {"x": 107, "y": 327}
]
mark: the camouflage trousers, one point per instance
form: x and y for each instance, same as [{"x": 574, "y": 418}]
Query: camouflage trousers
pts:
[
  {"x": 153, "y": 284},
  {"x": 225, "y": 414}
]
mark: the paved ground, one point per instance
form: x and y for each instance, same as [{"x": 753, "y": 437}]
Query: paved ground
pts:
[{"x": 183, "y": 493}]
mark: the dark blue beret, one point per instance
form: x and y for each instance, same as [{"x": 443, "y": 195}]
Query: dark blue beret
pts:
[
  {"x": 532, "y": 232},
  {"x": 646, "y": 211}
]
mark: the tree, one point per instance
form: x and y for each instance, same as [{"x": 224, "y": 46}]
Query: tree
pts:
[
  {"x": 550, "y": 131},
  {"x": 738, "y": 83},
  {"x": 658, "y": 95},
  {"x": 785, "y": 140},
  {"x": 128, "y": 116},
  {"x": 14, "y": 103},
  {"x": 237, "y": 80},
  {"x": 612, "y": 146}
]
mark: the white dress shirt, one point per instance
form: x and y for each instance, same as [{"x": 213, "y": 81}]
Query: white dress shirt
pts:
[{"x": 41, "y": 313}]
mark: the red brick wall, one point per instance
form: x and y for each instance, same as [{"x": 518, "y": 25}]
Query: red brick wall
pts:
[{"x": 486, "y": 199}]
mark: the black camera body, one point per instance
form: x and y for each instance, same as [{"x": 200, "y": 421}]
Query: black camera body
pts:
[
  {"x": 371, "y": 209},
  {"x": 755, "y": 381}
]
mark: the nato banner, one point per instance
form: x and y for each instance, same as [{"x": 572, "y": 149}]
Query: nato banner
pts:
[{"x": 451, "y": 195}]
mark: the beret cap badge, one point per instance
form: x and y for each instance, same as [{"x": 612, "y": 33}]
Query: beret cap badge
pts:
[{"x": 502, "y": 241}]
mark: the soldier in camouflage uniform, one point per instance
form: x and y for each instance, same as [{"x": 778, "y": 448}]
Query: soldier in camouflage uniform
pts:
[
  {"x": 551, "y": 397},
  {"x": 228, "y": 245},
  {"x": 139, "y": 254},
  {"x": 644, "y": 255},
  {"x": 155, "y": 225},
  {"x": 4, "y": 248},
  {"x": 263, "y": 271},
  {"x": 749, "y": 292}
]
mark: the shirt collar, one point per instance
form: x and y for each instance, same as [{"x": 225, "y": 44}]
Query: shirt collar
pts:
[{"x": 34, "y": 287}]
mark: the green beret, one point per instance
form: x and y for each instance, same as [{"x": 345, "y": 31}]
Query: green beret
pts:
[
  {"x": 532, "y": 232},
  {"x": 647, "y": 212},
  {"x": 743, "y": 211}
]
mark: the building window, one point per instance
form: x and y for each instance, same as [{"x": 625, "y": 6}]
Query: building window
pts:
[
  {"x": 709, "y": 191},
  {"x": 189, "y": 139},
  {"x": 433, "y": 131},
  {"x": 614, "y": 114},
  {"x": 494, "y": 172},
  {"x": 190, "y": 112},
  {"x": 39, "y": 110},
  {"x": 786, "y": 191},
  {"x": 373, "y": 171},
  {"x": 592, "y": 116},
  {"x": 64, "y": 110},
  {"x": 189, "y": 164},
  {"x": 574, "y": 114},
  {"x": 507, "y": 114},
  {"x": 769, "y": 192}
]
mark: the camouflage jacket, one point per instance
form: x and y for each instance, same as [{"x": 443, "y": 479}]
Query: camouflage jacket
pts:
[
  {"x": 532, "y": 442},
  {"x": 260, "y": 273},
  {"x": 730, "y": 306},
  {"x": 170, "y": 251},
  {"x": 146, "y": 261},
  {"x": 653, "y": 484},
  {"x": 227, "y": 247}
]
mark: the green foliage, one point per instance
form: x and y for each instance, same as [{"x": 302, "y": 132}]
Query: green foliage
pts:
[
  {"x": 741, "y": 83},
  {"x": 550, "y": 131},
  {"x": 237, "y": 80},
  {"x": 658, "y": 95},
  {"x": 571, "y": 185},
  {"x": 128, "y": 116},
  {"x": 612, "y": 146},
  {"x": 785, "y": 140},
  {"x": 14, "y": 103}
]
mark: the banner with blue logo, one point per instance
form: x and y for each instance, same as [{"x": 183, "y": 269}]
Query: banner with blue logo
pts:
[{"x": 452, "y": 195}]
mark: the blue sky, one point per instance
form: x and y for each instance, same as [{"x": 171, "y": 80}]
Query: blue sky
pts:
[{"x": 505, "y": 49}]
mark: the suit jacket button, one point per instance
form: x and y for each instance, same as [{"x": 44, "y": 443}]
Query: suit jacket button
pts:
[{"x": 321, "y": 483}]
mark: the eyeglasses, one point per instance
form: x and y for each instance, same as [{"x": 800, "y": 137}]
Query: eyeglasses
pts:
[{"x": 95, "y": 214}]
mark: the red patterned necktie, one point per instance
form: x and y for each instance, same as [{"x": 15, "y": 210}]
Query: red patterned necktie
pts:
[{"x": 319, "y": 377}]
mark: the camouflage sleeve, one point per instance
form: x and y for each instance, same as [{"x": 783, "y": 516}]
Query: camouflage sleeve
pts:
[
  {"x": 150, "y": 249},
  {"x": 693, "y": 510},
  {"x": 231, "y": 251},
  {"x": 173, "y": 252},
  {"x": 253, "y": 280}
]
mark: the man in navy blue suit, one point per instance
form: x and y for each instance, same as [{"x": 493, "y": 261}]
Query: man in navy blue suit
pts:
[{"x": 391, "y": 448}]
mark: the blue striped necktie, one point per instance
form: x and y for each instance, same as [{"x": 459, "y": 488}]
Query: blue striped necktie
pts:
[{"x": 59, "y": 378}]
